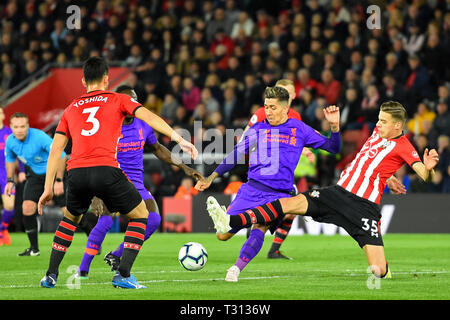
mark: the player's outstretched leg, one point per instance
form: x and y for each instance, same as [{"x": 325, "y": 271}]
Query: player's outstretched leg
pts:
[
  {"x": 279, "y": 237},
  {"x": 377, "y": 261},
  {"x": 61, "y": 242},
  {"x": 95, "y": 240},
  {"x": 113, "y": 258},
  {"x": 133, "y": 240},
  {"x": 249, "y": 250}
]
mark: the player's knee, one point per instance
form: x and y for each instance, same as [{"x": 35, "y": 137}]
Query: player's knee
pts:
[
  {"x": 290, "y": 216},
  {"x": 29, "y": 208},
  {"x": 70, "y": 216}
]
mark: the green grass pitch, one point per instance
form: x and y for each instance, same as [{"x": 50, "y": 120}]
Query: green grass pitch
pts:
[{"x": 324, "y": 267}]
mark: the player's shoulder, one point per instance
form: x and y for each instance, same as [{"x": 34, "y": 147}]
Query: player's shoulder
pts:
[
  {"x": 403, "y": 143},
  {"x": 258, "y": 116},
  {"x": 38, "y": 133},
  {"x": 296, "y": 123}
]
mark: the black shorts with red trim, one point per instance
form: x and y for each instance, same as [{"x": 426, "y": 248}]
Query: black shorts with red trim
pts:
[
  {"x": 358, "y": 216},
  {"x": 107, "y": 183}
]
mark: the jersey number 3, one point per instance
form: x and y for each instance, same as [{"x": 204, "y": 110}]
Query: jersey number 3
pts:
[{"x": 92, "y": 119}]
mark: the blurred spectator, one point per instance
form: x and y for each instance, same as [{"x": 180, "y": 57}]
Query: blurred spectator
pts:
[
  {"x": 220, "y": 24},
  {"x": 350, "y": 110},
  {"x": 304, "y": 82},
  {"x": 229, "y": 105},
  {"x": 443, "y": 95},
  {"x": 394, "y": 68},
  {"x": 328, "y": 87},
  {"x": 244, "y": 23},
  {"x": 441, "y": 123},
  {"x": 444, "y": 161},
  {"x": 433, "y": 57},
  {"x": 153, "y": 103},
  {"x": 211, "y": 104},
  {"x": 391, "y": 90},
  {"x": 416, "y": 83},
  {"x": 414, "y": 40},
  {"x": 191, "y": 94},
  {"x": 9, "y": 78},
  {"x": 233, "y": 185},
  {"x": 169, "y": 107},
  {"x": 416, "y": 124},
  {"x": 253, "y": 94},
  {"x": 186, "y": 190}
]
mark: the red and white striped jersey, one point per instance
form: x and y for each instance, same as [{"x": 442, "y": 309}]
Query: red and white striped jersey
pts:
[{"x": 377, "y": 161}]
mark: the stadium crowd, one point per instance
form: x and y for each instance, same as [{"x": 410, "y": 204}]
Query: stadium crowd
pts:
[{"x": 211, "y": 60}]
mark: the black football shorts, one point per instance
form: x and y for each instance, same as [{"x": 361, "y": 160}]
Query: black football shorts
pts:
[
  {"x": 107, "y": 183},
  {"x": 34, "y": 186},
  {"x": 358, "y": 216}
]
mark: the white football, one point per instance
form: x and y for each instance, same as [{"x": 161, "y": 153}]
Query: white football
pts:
[{"x": 193, "y": 256}]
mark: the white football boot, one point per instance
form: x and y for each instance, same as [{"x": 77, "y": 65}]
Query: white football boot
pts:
[{"x": 219, "y": 215}]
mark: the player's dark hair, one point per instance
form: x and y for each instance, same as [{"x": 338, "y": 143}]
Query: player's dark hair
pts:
[
  {"x": 18, "y": 115},
  {"x": 94, "y": 69},
  {"x": 127, "y": 90},
  {"x": 279, "y": 93},
  {"x": 396, "y": 110}
]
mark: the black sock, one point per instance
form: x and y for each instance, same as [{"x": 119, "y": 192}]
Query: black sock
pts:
[
  {"x": 31, "y": 228},
  {"x": 387, "y": 269},
  {"x": 281, "y": 234},
  {"x": 260, "y": 215},
  {"x": 61, "y": 242},
  {"x": 134, "y": 238},
  {"x": 85, "y": 225}
]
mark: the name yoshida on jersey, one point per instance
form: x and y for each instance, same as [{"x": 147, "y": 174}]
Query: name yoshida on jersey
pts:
[
  {"x": 91, "y": 99},
  {"x": 377, "y": 161}
]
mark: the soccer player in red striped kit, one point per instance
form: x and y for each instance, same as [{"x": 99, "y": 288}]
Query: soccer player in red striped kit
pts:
[
  {"x": 94, "y": 123},
  {"x": 353, "y": 203}
]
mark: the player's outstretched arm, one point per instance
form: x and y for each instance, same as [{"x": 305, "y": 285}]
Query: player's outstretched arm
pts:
[
  {"x": 53, "y": 164},
  {"x": 425, "y": 169},
  {"x": 204, "y": 184},
  {"x": 158, "y": 124}
]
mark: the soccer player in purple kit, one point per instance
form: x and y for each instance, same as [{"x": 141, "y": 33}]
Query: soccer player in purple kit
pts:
[
  {"x": 135, "y": 134},
  {"x": 8, "y": 201},
  {"x": 275, "y": 146}
]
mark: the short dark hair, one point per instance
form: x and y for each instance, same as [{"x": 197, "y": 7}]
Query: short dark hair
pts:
[
  {"x": 94, "y": 69},
  {"x": 279, "y": 93},
  {"x": 18, "y": 115},
  {"x": 126, "y": 89}
]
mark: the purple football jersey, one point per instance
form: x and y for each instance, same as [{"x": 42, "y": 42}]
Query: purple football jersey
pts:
[
  {"x": 130, "y": 153},
  {"x": 274, "y": 152},
  {"x": 4, "y": 133}
]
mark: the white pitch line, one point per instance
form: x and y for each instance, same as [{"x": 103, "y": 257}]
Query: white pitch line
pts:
[
  {"x": 147, "y": 281},
  {"x": 222, "y": 279}
]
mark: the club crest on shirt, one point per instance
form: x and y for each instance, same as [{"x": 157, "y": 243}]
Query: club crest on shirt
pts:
[{"x": 315, "y": 194}]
